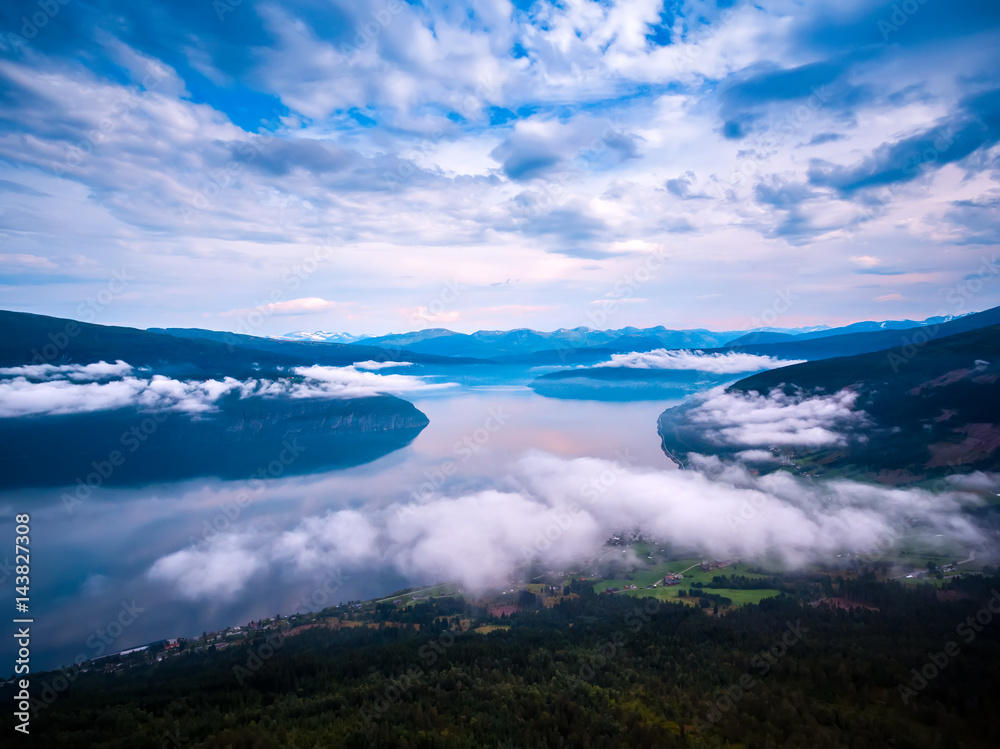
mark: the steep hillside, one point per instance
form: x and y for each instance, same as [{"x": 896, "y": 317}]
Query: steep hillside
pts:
[
  {"x": 898, "y": 416},
  {"x": 245, "y": 438}
]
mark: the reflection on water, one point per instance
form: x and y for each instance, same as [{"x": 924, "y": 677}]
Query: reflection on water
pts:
[{"x": 91, "y": 556}]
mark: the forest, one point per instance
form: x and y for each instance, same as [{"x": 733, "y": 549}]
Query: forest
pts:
[{"x": 901, "y": 665}]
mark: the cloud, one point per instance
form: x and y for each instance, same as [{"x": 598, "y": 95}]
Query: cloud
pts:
[
  {"x": 541, "y": 135},
  {"x": 821, "y": 138},
  {"x": 422, "y": 314},
  {"x": 733, "y": 363},
  {"x": 681, "y": 187},
  {"x": 306, "y": 306},
  {"x": 890, "y": 298},
  {"x": 978, "y": 480},
  {"x": 734, "y": 419},
  {"x": 746, "y": 98},
  {"x": 526, "y": 158},
  {"x": 376, "y": 365},
  {"x": 218, "y": 572},
  {"x": 978, "y": 220},
  {"x": 781, "y": 194},
  {"x": 866, "y": 261},
  {"x": 560, "y": 513},
  {"x": 975, "y": 127},
  {"x": 349, "y": 382},
  {"x": 757, "y": 456},
  {"x": 75, "y": 372},
  {"x": 33, "y": 262},
  {"x": 20, "y": 397}
]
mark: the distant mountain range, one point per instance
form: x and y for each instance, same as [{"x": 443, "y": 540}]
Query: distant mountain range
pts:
[
  {"x": 773, "y": 336},
  {"x": 507, "y": 343},
  {"x": 579, "y": 380},
  {"x": 837, "y": 342},
  {"x": 322, "y": 336},
  {"x": 200, "y": 352},
  {"x": 527, "y": 346},
  {"x": 178, "y": 352}
]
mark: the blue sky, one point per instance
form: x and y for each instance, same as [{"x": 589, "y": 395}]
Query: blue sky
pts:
[{"x": 384, "y": 166}]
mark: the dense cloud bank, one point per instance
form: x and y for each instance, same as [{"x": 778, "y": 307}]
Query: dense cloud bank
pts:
[
  {"x": 733, "y": 363},
  {"x": 734, "y": 419},
  {"x": 74, "y": 372},
  {"x": 37, "y": 390},
  {"x": 560, "y": 511}
]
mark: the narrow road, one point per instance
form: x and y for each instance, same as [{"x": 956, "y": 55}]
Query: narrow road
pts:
[
  {"x": 972, "y": 556},
  {"x": 412, "y": 593}
]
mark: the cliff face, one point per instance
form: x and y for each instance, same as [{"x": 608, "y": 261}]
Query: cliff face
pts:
[{"x": 281, "y": 436}]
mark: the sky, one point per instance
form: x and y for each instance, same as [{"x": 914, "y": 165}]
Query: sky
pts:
[{"x": 386, "y": 166}]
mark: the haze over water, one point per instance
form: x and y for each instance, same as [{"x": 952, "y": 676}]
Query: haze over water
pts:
[{"x": 89, "y": 561}]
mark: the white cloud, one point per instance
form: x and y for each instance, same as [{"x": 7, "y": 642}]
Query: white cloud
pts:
[
  {"x": 372, "y": 150},
  {"x": 865, "y": 261},
  {"x": 376, "y": 365},
  {"x": 21, "y": 397},
  {"x": 978, "y": 480},
  {"x": 34, "y": 262},
  {"x": 75, "y": 372},
  {"x": 753, "y": 420},
  {"x": 219, "y": 571},
  {"x": 563, "y": 512},
  {"x": 323, "y": 542},
  {"x": 733, "y": 363},
  {"x": 305, "y": 306},
  {"x": 757, "y": 456},
  {"x": 348, "y": 381}
]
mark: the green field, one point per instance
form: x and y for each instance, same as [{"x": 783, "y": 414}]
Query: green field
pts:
[
  {"x": 739, "y": 597},
  {"x": 642, "y": 578}
]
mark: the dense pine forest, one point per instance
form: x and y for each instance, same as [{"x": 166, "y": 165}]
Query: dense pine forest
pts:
[{"x": 899, "y": 666}]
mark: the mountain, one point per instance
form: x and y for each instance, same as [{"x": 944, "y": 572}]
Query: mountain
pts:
[
  {"x": 310, "y": 352},
  {"x": 524, "y": 342},
  {"x": 848, "y": 344},
  {"x": 236, "y": 438},
  {"x": 916, "y": 412},
  {"x": 773, "y": 336},
  {"x": 564, "y": 346},
  {"x": 321, "y": 336},
  {"x": 579, "y": 381},
  {"x": 29, "y": 338},
  {"x": 242, "y": 439}
]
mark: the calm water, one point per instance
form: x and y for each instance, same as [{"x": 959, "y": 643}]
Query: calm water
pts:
[{"x": 87, "y": 562}]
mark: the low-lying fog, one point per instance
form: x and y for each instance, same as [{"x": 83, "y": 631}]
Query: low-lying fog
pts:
[{"x": 501, "y": 476}]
